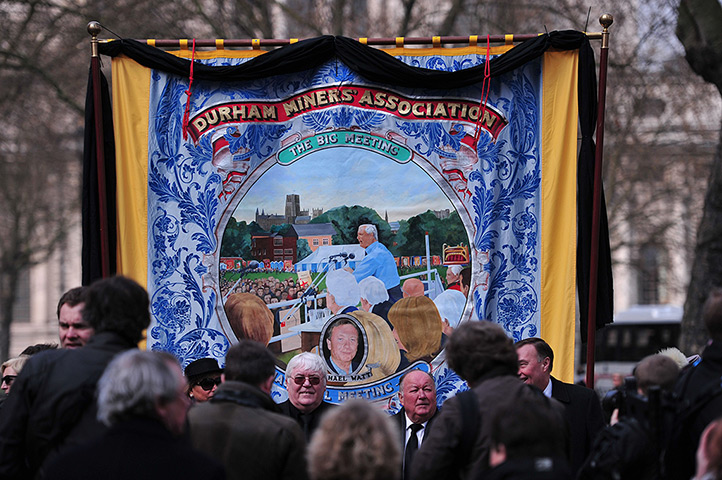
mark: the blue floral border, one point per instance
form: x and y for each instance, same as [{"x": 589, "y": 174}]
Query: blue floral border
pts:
[{"x": 185, "y": 205}]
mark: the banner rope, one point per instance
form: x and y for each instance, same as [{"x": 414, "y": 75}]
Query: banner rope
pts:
[{"x": 187, "y": 112}]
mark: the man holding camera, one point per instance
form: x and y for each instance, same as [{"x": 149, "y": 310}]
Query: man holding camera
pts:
[{"x": 630, "y": 448}]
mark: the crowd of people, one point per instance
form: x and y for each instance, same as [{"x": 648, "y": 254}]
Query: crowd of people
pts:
[{"x": 97, "y": 407}]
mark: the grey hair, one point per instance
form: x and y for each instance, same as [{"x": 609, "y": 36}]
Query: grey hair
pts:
[
  {"x": 373, "y": 290},
  {"x": 133, "y": 383},
  {"x": 344, "y": 288},
  {"x": 370, "y": 228},
  {"x": 355, "y": 440},
  {"x": 306, "y": 360},
  {"x": 455, "y": 269},
  {"x": 450, "y": 304}
]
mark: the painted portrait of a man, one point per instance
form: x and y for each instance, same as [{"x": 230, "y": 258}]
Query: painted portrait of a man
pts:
[{"x": 343, "y": 345}]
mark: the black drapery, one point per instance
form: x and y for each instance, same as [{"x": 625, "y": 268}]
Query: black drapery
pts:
[
  {"x": 379, "y": 67},
  {"x": 91, "y": 255}
]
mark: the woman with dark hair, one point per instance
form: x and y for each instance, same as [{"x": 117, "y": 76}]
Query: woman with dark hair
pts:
[{"x": 204, "y": 376}]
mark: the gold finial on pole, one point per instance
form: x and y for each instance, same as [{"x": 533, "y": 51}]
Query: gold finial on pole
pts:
[
  {"x": 606, "y": 21},
  {"x": 94, "y": 30}
]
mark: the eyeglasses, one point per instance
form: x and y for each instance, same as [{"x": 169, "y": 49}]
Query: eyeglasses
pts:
[
  {"x": 301, "y": 379},
  {"x": 9, "y": 379},
  {"x": 207, "y": 384}
]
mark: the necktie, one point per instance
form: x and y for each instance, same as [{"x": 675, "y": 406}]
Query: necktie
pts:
[{"x": 411, "y": 446}]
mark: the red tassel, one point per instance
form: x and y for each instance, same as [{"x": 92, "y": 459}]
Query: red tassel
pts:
[{"x": 186, "y": 114}]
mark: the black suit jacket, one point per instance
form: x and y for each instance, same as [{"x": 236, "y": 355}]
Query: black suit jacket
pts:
[
  {"x": 583, "y": 412},
  {"x": 400, "y": 419}
]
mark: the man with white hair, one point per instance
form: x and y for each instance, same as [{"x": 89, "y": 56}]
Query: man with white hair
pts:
[
  {"x": 378, "y": 262},
  {"x": 142, "y": 399},
  {"x": 374, "y": 297},
  {"x": 453, "y": 277},
  {"x": 342, "y": 294},
  {"x": 450, "y": 304},
  {"x": 306, "y": 385}
]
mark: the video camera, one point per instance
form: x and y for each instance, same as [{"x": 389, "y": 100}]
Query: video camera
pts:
[
  {"x": 654, "y": 412},
  {"x": 626, "y": 399}
]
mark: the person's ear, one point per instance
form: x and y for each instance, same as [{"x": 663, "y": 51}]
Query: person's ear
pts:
[
  {"x": 545, "y": 364},
  {"x": 497, "y": 455},
  {"x": 267, "y": 384},
  {"x": 223, "y": 378}
]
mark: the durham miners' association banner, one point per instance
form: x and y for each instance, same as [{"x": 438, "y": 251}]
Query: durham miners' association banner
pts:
[{"x": 249, "y": 185}]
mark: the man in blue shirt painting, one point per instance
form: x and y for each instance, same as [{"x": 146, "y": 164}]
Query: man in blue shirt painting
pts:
[{"x": 378, "y": 262}]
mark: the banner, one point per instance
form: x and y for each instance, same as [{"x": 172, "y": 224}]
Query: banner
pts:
[{"x": 286, "y": 154}]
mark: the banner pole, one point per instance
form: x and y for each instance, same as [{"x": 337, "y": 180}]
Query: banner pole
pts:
[
  {"x": 472, "y": 40},
  {"x": 606, "y": 21},
  {"x": 94, "y": 30}
]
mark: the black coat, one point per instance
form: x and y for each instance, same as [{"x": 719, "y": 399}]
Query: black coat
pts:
[
  {"x": 138, "y": 449},
  {"x": 583, "y": 412},
  {"x": 52, "y": 404},
  {"x": 307, "y": 421},
  {"x": 531, "y": 469},
  {"x": 400, "y": 419},
  {"x": 698, "y": 388},
  {"x": 242, "y": 428}
]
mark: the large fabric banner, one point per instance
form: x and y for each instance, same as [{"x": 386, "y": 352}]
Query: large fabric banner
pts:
[{"x": 248, "y": 191}]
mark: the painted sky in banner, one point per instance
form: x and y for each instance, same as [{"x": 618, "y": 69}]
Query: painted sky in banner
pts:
[{"x": 316, "y": 181}]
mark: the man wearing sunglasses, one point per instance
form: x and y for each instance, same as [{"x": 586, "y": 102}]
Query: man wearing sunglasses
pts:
[{"x": 306, "y": 385}]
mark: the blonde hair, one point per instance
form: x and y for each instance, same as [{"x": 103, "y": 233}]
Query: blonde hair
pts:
[
  {"x": 16, "y": 363},
  {"x": 249, "y": 317},
  {"x": 355, "y": 441},
  {"x": 675, "y": 354},
  {"x": 418, "y": 325}
]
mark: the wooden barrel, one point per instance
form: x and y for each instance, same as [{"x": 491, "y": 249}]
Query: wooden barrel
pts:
[{"x": 383, "y": 353}]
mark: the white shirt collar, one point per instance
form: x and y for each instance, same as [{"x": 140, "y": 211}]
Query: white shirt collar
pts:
[
  {"x": 407, "y": 431},
  {"x": 548, "y": 389}
]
